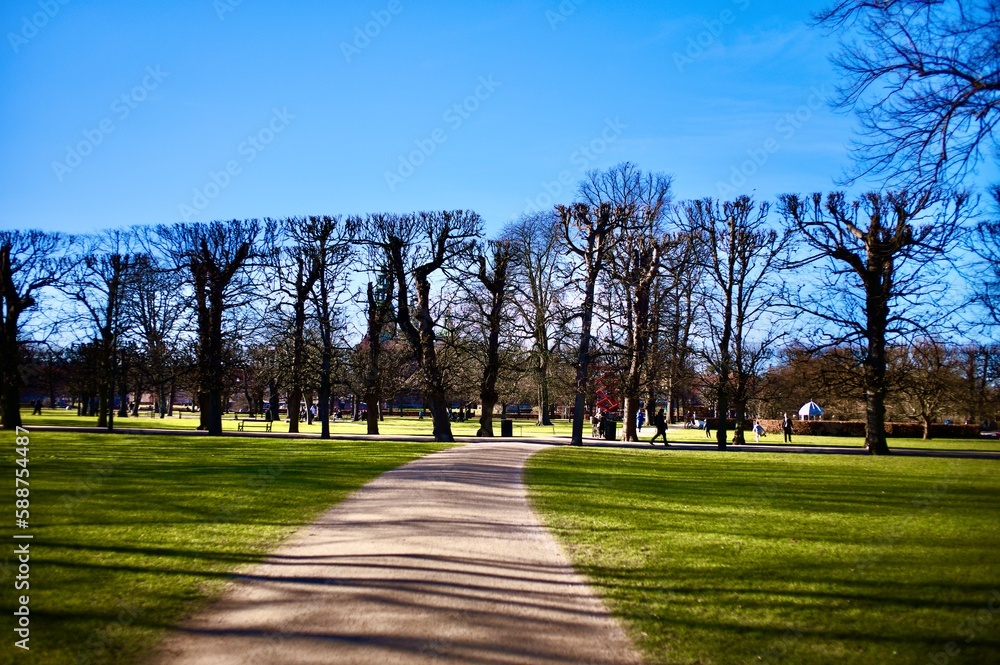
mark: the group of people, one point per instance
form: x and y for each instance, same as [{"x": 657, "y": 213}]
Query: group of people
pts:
[
  {"x": 660, "y": 423},
  {"x": 786, "y": 429}
]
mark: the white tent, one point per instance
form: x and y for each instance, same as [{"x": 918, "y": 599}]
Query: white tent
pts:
[{"x": 810, "y": 410}]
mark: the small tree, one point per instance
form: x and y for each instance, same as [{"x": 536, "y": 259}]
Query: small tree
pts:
[{"x": 929, "y": 381}]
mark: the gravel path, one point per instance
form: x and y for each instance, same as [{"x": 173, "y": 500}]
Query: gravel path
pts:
[{"x": 439, "y": 561}]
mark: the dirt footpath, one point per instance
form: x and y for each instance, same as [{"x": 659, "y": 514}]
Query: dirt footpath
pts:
[{"x": 439, "y": 561}]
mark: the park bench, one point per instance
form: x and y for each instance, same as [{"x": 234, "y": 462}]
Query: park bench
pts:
[{"x": 265, "y": 424}]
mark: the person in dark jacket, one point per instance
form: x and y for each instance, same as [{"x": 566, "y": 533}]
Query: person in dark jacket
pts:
[
  {"x": 660, "y": 422},
  {"x": 786, "y": 427}
]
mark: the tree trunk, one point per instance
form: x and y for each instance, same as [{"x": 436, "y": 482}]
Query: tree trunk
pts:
[
  {"x": 722, "y": 413},
  {"x": 439, "y": 414},
  {"x": 875, "y": 383},
  {"x": 486, "y": 419},
  {"x": 544, "y": 407},
  {"x": 740, "y": 429},
  {"x": 294, "y": 399},
  {"x": 323, "y": 411},
  {"x": 583, "y": 361},
  {"x": 372, "y": 398},
  {"x": 272, "y": 401},
  {"x": 11, "y": 394},
  {"x": 927, "y": 428},
  {"x": 123, "y": 406}
]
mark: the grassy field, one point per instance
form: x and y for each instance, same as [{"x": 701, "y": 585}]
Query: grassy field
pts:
[
  {"x": 397, "y": 426},
  {"x": 392, "y": 425},
  {"x": 681, "y": 435},
  {"x": 771, "y": 558},
  {"x": 133, "y": 533}
]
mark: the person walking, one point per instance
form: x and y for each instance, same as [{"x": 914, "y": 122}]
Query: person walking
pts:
[
  {"x": 596, "y": 420},
  {"x": 708, "y": 430},
  {"x": 786, "y": 427},
  {"x": 640, "y": 419},
  {"x": 660, "y": 422},
  {"x": 758, "y": 431}
]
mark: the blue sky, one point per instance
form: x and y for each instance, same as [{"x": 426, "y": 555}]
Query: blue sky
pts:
[{"x": 116, "y": 113}]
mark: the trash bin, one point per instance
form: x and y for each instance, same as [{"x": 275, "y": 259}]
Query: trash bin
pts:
[
  {"x": 506, "y": 427},
  {"x": 610, "y": 430}
]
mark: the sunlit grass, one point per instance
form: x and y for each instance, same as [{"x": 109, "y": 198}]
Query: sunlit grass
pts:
[
  {"x": 728, "y": 558},
  {"x": 392, "y": 425},
  {"x": 411, "y": 426},
  {"x": 132, "y": 533}
]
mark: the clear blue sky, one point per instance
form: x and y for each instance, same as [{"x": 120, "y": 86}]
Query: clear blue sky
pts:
[{"x": 116, "y": 113}]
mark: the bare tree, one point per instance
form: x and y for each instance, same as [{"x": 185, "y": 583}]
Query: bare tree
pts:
[
  {"x": 416, "y": 247},
  {"x": 673, "y": 312},
  {"x": 931, "y": 380},
  {"x": 539, "y": 289},
  {"x": 590, "y": 229},
  {"x": 298, "y": 265},
  {"x": 218, "y": 260},
  {"x": 881, "y": 279},
  {"x": 98, "y": 285},
  {"x": 371, "y": 366},
  {"x": 634, "y": 264},
  {"x": 985, "y": 243},
  {"x": 924, "y": 80},
  {"x": 155, "y": 307},
  {"x": 489, "y": 300},
  {"x": 30, "y": 261},
  {"x": 742, "y": 258}
]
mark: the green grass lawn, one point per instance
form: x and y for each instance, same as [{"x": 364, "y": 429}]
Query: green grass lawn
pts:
[
  {"x": 392, "y": 425},
  {"x": 679, "y": 434},
  {"x": 133, "y": 533},
  {"x": 769, "y": 558},
  {"x": 409, "y": 426}
]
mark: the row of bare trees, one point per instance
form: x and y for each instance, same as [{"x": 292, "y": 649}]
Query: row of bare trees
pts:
[{"x": 622, "y": 290}]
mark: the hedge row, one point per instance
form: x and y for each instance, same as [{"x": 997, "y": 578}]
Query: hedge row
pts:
[{"x": 856, "y": 428}]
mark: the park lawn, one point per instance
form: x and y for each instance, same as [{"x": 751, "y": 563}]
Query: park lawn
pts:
[
  {"x": 410, "y": 426},
  {"x": 133, "y": 533},
  {"x": 734, "y": 558},
  {"x": 679, "y": 434},
  {"x": 392, "y": 425}
]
